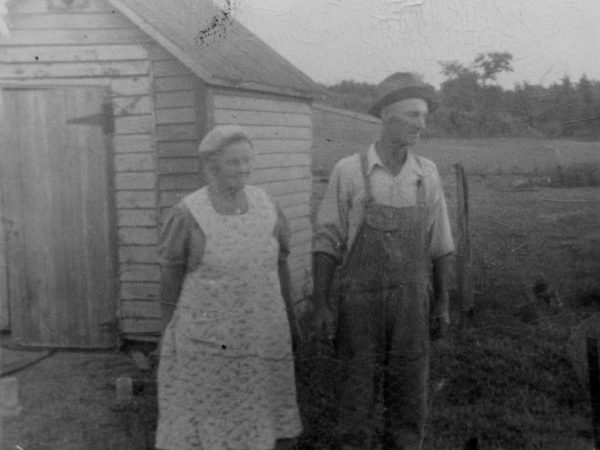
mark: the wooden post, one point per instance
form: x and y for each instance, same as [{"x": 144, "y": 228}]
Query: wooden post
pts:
[
  {"x": 463, "y": 252},
  {"x": 4, "y": 230},
  {"x": 592, "y": 357}
]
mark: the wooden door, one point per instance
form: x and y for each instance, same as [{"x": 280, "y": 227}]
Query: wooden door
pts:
[{"x": 60, "y": 249}]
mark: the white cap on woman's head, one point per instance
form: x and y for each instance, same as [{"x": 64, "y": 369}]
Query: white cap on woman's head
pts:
[{"x": 220, "y": 136}]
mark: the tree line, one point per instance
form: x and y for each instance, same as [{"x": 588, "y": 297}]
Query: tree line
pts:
[{"x": 473, "y": 105}]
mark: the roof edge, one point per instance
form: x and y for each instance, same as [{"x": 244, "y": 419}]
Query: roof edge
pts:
[
  {"x": 163, "y": 41},
  {"x": 257, "y": 87}
]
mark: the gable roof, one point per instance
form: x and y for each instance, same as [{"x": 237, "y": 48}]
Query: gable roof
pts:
[{"x": 216, "y": 47}]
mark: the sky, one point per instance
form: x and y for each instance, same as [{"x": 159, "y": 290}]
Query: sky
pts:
[{"x": 367, "y": 40}]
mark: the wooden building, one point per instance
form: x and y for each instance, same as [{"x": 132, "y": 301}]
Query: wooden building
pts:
[{"x": 102, "y": 105}]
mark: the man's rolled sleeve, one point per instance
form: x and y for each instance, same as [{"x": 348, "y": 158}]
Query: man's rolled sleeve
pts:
[
  {"x": 441, "y": 234},
  {"x": 331, "y": 228}
]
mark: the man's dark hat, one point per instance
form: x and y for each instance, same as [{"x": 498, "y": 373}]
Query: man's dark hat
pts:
[{"x": 400, "y": 86}]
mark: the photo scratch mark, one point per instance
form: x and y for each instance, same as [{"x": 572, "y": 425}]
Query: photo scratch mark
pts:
[{"x": 218, "y": 26}]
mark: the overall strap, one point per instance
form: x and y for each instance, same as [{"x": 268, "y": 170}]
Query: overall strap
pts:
[
  {"x": 420, "y": 191},
  {"x": 364, "y": 164}
]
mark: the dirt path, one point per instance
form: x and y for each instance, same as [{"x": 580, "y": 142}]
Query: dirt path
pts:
[{"x": 67, "y": 400}]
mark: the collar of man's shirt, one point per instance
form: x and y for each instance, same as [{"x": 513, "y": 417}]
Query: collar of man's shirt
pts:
[{"x": 411, "y": 165}]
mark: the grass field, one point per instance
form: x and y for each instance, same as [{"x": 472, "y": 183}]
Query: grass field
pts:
[
  {"x": 506, "y": 382},
  {"x": 495, "y": 156}
]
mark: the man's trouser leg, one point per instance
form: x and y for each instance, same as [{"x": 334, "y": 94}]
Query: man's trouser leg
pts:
[
  {"x": 407, "y": 373},
  {"x": 361, "y": 351}
]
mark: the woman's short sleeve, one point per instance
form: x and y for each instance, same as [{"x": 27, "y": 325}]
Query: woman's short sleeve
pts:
[
  {"x": 178, "y": 237},
  {"x": 282, "y": 233}
]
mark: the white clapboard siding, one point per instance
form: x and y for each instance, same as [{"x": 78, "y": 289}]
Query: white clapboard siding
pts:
[
  {"x": 141, "y": 309},
  {"x": 178, "y": 129},
  {"x": 136, "y": 217},
  {"x": 93, "y": 44},
  {"x": 41, "y": 6},
  {"x": 73, "y": 53},
  {"x": 138, "y": 254},
  {"x": 76, "y": 37},
  {"x": 138, "y": 236},
  {"x": 50, "y": 20},
  {"x": 139, "y": 272},
  {"x": 131, "y": 290},
  {"x": 134, "y": 143}
]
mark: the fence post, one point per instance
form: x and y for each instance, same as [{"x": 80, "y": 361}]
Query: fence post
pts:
[
  {"x": 464, "y": 280},
  {"x": 592, "y": 357}
]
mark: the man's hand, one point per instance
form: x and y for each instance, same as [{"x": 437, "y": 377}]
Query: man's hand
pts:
[
  {"x": 323, "y": 320},
  {"x": 323, "y": 327}
]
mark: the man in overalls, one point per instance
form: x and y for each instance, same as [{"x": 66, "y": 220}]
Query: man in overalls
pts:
[{"x": 384, "y": 222}]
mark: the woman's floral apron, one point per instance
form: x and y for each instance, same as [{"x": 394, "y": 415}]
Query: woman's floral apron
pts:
[{"x": 226, "y": 374}]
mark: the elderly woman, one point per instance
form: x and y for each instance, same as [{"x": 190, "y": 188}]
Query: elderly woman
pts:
[{"x": 226, "y": 371}]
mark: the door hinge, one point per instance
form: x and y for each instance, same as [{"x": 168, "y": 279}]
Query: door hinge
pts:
[{"x": 105, "y": 119}]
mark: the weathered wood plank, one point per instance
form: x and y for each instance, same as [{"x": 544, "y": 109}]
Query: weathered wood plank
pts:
[
  {"x": 263, "y": 161},
  {"x": 133, "y": 143},
  {"x": 268, "y": 132},
  {"x": 131, "y": 86},
  {"x": 278, "y": 188},
  {"x": 179, "y": 182},
  {"x": 140, "y": 272},
  {"x": 138, "y": 254},
  {"x": 174, "y": 99},
  {"x": 74, "y": 69},
  {"x": 141, "y": 309},
  {"x": 138, "y": 236},
  {"x": 282, "y": 146},
  {"x": 177, "y": 149},
  {"x": 158, "y": 53},
  {"x": 133, "y": 105},
  {"x": 140, "y": 326},
  {"x": 168, "y": 68},
  {"x": 135, "y": 181},
  {"x": 170, "y": 198},
  {"x": 136, "y": 217},
  {"x": 291, "y": 174},
  {"x": 294, "y": 211},
  {"x": 177, "y": 132},
  {"x": 228, "y": 116},
  {"x": 4, "y": 299},
  {"x": 301, "y": 237},
  {"x": 179, "y": 165},
  {"x": 136, "y": 199},
  {"x": 52, "y": 21},
  {"x": 135, "y": 162},
  {"x": 41, "y": 6},
  {"x": 248, "y": 103},
  {"x": 73, "y": 53},
  {"x": 134, "y": 125},
  {"x": 293, "y": 198},
  {"x": 179, "y": 83},
  {"x": 77, "y": 37},
  {"x": 132, "y": 290},
  {"x": 176, "y": 115},
  {"x": 300, "y": 223}
]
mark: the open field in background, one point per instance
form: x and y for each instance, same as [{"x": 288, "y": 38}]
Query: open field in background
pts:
[{"x": 494, "y": 156}]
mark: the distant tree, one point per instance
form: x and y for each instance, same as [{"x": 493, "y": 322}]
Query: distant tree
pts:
[
  {"x": 490, "y": 64},
  {"x": 475, "y": 108}
]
